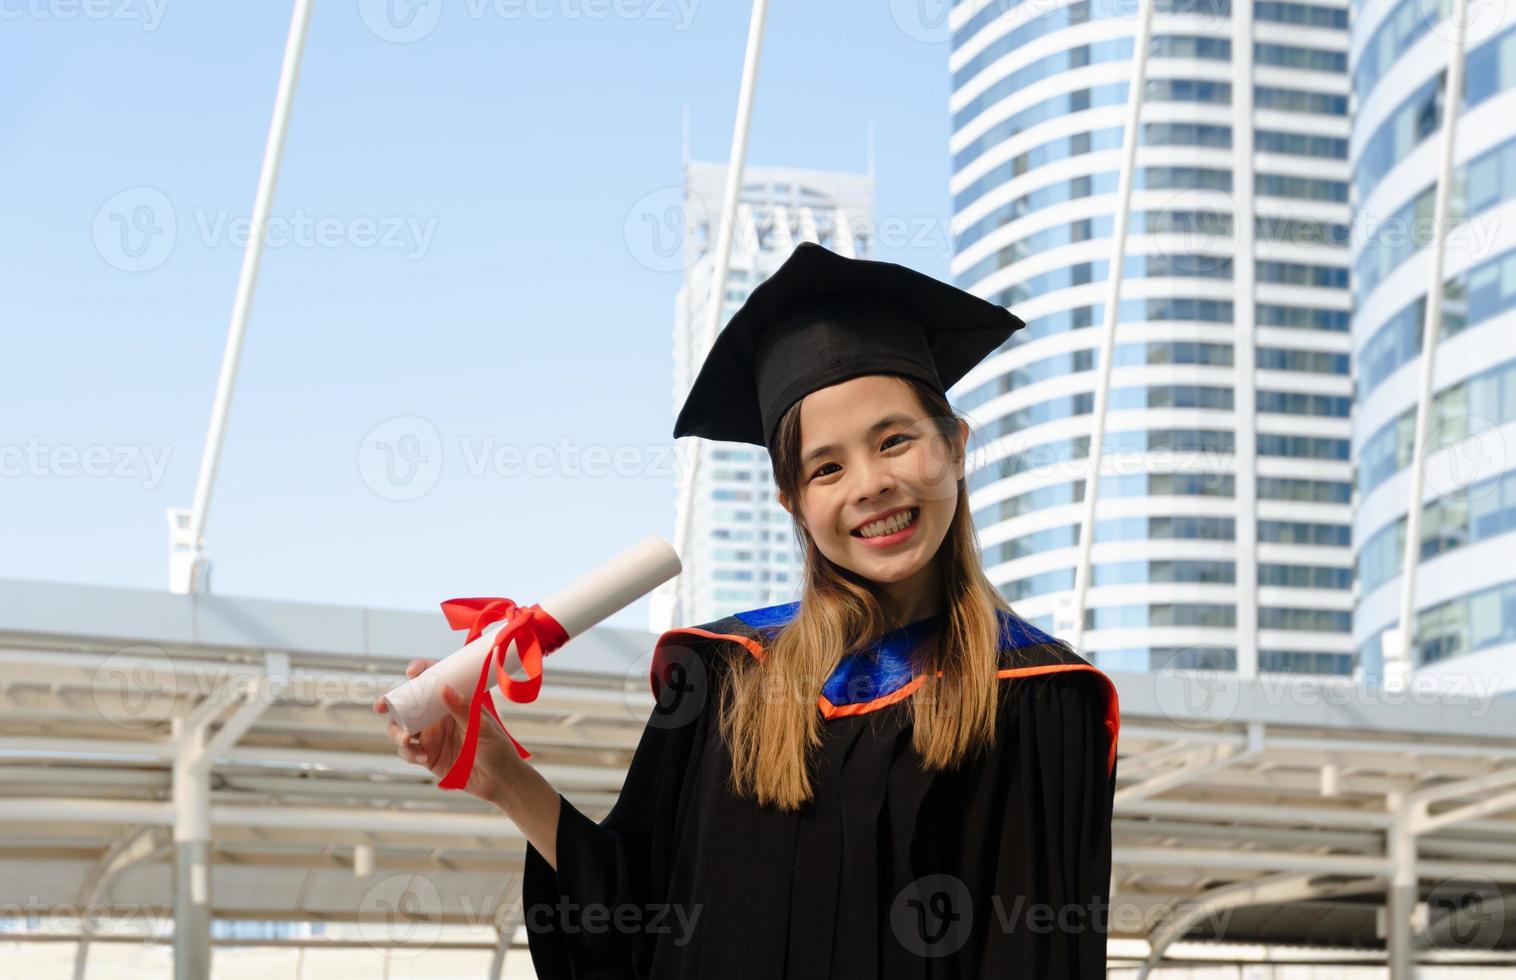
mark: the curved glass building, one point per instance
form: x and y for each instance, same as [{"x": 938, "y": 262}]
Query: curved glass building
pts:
[
  {"x": 1223, "y": 527},
  {"x": 1465, "y": 592}
]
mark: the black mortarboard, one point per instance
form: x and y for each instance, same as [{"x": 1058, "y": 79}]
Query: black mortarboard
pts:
[{"x": 823, "y": 318}]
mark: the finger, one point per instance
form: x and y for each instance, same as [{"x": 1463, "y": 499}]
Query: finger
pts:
[
  {"x": 399, "y": 735},
  {"x": 381, "y": 706},
  {"x": 455, "y": 704},
  {"x": 417, "y": 666}
]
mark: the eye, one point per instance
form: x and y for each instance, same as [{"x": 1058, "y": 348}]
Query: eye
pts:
[
  {"x": 898, "y": 435},
  {"x": 821, "y": 471}
]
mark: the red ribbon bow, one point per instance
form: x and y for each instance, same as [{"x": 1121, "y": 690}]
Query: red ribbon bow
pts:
[{"x": 536, "y": 634}]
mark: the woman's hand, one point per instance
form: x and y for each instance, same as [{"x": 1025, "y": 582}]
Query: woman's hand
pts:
[
  {"x": 497, "y": 765},
  {"x": 500, "y": 775}
]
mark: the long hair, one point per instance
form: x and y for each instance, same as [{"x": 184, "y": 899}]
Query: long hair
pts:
[{"x": 769, "y": 715}]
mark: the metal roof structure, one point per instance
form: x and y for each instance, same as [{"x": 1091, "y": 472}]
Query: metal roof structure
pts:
[{"x": 1271, "y": 811}]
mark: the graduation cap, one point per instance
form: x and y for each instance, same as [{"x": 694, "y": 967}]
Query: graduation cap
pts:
[{"x": 823, "y": 318}]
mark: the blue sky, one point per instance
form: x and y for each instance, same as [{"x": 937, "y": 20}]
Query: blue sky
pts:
[{"x": 457, "y": 257}]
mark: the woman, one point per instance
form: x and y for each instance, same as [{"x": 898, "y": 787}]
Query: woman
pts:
[{"x": 894, "y": 776}]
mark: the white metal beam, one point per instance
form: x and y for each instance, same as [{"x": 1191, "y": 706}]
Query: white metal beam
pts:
[
  {"x": 1462, "y": 788},
  {"x": 276, "y": 668},
  {"x": 1263, "y": 813},
  {"x": 434, "y": 822},
  {"x": 188, "y": 565},
  {"x": 736, "y": 164},
  {"x": 1269, "y": 890},
  {"x": 145, "y": 844},
  {"x": 1222, "y": 757},
  {"x": 1163, "y": 755},
  {"x": 1400, "y": 903},
  {"x": 1396, "y": 649},
  {"x": 1131, "y": 138},
  {"x": 1245, "y": 336},
  {"x": 1494, "y": 804},
  {"x": 1265, "y": 861}
]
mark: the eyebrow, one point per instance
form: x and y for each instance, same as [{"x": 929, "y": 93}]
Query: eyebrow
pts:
[{"x": 884, "y": 423}]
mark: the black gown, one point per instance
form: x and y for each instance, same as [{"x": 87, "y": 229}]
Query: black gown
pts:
[{"x": 1000, "y": 868}]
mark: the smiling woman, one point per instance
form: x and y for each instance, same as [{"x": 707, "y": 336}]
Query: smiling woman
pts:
[
  {"x": 911, "y": 457},
  {"x": 895, "y": 776}
]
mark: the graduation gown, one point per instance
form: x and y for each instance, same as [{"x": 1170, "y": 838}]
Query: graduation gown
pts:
[{"x": 1000, "y": 868}]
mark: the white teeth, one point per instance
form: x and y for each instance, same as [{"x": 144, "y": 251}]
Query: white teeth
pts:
[{"x": 889, "y": 525}]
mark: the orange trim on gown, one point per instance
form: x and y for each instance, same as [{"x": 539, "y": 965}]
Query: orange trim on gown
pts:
[{"x": 830, "y": 710}]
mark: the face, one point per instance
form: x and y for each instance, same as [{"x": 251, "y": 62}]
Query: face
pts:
[{"x": 869, "y": 451}]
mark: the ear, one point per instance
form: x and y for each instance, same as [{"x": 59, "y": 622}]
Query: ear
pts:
[
  {"x": 963, "y": 443},
  {"x": 784, "y": 502}
]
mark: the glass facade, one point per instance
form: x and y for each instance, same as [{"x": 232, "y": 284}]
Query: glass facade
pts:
[
  {"x": 1484, "y": 510},
  {"x": 1470, "y": 623},
  {"x": 1461, "y": 606},
  {"x": 1480, "y": 185},
  {"x": 1487, "y": 398},
  {"x": 1185, "y": 396}
]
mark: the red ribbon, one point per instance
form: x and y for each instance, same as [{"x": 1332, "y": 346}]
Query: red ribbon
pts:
[{"x": 536, "y": 634}]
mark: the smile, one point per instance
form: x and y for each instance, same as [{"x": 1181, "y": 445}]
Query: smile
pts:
[{"x": 889, "y": 529}]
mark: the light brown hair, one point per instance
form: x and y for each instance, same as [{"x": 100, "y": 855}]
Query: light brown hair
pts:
[{"x": 769, "y": 715}]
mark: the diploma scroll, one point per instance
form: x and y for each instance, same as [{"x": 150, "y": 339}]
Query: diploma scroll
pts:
[{"x": 590, "y": 600}]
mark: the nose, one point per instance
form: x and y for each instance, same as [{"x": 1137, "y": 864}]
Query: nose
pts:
[{"x": 875, "y": 479}]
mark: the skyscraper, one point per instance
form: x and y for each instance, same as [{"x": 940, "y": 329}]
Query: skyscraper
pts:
[
  {"x": 1222, "y": 534},
  {"x": 740, "y": 551},
  {"x": 1464, "y": 599}
]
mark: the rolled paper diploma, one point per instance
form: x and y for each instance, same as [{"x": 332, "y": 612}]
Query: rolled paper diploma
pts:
[{"x": 618, "y": 583}]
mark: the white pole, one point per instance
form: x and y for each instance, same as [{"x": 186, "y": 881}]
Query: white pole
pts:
[
  {"x": 247, "y": 282},
  {"x": 1131, "y": 136},
  {"x": 737, "y": 160},
  {"x": 1397, "y": 656},
  {"x": 1244, "y": 341},
  {"x": 1401, "y": 894},
  {"x": 192, "y": 854}
]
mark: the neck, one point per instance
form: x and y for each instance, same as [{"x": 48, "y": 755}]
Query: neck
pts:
[{"x": 915, "y": 598}]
